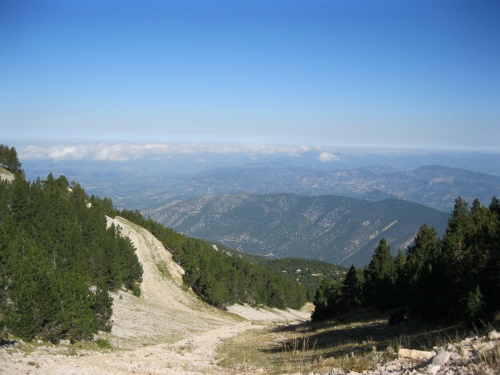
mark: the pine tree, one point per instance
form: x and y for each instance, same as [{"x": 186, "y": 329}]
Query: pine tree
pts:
[
  {"x": 101, "y": 306},
  {"x": 351, "y": 290},
  {"x": 327, "y": 300},
  {"x": 423, "y": 273},
  {"x": 401, "y": 286},
  {"x": 380, "y": 277},
  {"x": 491, "y": 275},
  {"x": 9, "y": 159}
]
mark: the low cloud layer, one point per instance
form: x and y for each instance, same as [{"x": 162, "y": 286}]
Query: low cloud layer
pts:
[
  {"x": 123, "y": 152},
  {"x": 326, "y": 157}
]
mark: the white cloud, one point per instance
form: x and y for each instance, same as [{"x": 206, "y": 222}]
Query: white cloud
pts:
[
  {"x": 326, "y": 157},
  {"x": 123, "y": 152},
  {"x": 55, "y": 153}
]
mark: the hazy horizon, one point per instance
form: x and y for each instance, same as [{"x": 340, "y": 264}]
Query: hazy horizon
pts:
[{"x": 123, "y": 150}]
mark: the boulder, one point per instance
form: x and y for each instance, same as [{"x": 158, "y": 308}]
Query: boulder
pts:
[{"x": 415, "y": 355}]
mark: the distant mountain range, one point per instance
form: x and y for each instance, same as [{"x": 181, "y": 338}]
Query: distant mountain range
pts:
[
  {"x": 335, "y": 229},
  {"x": 434, "y": 180},
  {"x": 434, "y": 186}
]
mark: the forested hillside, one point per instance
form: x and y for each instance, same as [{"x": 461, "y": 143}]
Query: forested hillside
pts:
[
  {"x": 335, "y": 229},
  {"x": 308, "y": 272},
  {"x": 222, "y": 279},
  {"x": 456, "y": 277},
  {"x": 58, "y": 260},
  {"x": 9, "y": 159}
]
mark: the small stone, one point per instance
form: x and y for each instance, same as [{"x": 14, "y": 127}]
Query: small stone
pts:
[
  {"x": 392, "y": 366},
  {"x": 455, "y": 356},
  {"x": 441, "y": 358},
  {"x": 466, "y": 353},
  {"x": 433, "y": 369}
]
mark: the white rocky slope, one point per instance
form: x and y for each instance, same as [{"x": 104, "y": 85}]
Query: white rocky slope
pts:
[
  {"x": 167, "y": 330},
  {"x": 6, "y": 175}
]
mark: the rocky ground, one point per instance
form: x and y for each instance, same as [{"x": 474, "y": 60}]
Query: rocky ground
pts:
[
  {"x": 6, "y": 175},
  {"x": 474, "y": 355},
  {"x": 168, "y": 330}
]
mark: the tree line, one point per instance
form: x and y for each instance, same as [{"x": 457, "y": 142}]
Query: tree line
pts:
[
  {"x": 453, "y": 278},
  {"x": 222, "y": 279},
  {"x": 309, "y": 272},
  {"x": 9, "y": 159},
  {"x": 59, "y": 260}
]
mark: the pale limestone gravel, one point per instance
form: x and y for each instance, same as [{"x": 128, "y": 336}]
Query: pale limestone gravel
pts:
[
  {"x": 6, "y": 175},
  {"x": 167, "y": 330}
]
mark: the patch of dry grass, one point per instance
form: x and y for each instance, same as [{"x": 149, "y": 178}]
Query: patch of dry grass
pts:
[{"x": 359, "y": 342}]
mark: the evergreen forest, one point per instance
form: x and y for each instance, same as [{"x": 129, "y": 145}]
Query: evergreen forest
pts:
[
  {"x": 59, "y": 260},
  {"x": 308, "y": 272},
  {"x": 448, "y": 279},
  {"x": 9, "y": 159},
  {"x": 221, "y": 278}
]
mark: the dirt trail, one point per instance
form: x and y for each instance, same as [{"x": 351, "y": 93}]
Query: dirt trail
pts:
[{"x": 167, "y": 330}]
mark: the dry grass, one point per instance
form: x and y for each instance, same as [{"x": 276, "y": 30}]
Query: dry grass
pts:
[
  {"x": 490, "y": 359},
  {"x": 360, "y": 342}
]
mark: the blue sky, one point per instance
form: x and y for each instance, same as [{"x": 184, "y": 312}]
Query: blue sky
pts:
[{"x": 375, "y": 73}]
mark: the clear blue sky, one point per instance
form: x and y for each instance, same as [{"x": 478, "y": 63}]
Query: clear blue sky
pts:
[{"x": 403, "y": 73}]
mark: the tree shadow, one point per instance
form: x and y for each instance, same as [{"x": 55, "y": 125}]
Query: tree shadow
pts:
[
  {"x": 362, "y": 332},
  {"x": 7, "y": 343}
]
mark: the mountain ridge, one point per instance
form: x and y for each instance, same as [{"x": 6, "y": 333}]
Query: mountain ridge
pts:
[
  {"x": 336, "y": 229},
  {"x": 432, "y": 185}
]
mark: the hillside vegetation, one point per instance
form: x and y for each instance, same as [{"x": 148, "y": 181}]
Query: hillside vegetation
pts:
[
  {"x": 58, "y": 260},
  {"x": 454, "y": 278},
  {"x": 222, "y": 279},
  {"x": 335, "y": 229},
  {"x": 308, "y": 272},
  {"x": 9, "y": 159}
]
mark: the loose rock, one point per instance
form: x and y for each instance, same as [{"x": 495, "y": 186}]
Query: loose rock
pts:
[{"x": 441, "y": 358}]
